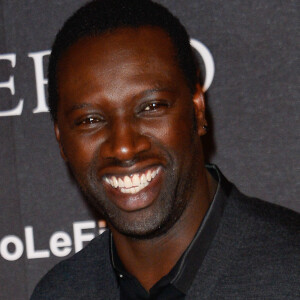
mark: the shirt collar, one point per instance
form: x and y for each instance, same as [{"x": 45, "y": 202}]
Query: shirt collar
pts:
[{"x": 183, "y": 273}]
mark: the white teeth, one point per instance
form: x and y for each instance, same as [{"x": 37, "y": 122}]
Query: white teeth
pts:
[
  {"x": 127, "y": 182},
  {"x": 136, "y": 180},
  {"x": 121, "y": 182},
  {"x": 132, "y": 184},
  {"x": 115, "y": 182},
  {"x": 143, "y": 179},
  {"x": 148, "y": 175},
  {"x": 134, "y": 190}
]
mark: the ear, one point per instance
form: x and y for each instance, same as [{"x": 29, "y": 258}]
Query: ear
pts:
[
  {"x": 57, "y": 135},
  {"x": 199, "y": 107}
]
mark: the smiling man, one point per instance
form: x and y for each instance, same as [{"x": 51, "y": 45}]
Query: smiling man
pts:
[{"x": 129, "y": 114}]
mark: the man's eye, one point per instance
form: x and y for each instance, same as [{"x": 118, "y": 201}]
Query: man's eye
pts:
[
  {"x": 89, "y": 121},
  {"x": 154, "y": 106}
]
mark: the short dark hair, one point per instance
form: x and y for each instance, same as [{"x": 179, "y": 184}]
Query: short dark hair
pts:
[{"x": 100, "y": 16}]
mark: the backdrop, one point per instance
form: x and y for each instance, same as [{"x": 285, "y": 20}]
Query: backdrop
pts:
[{"x": 253, "y": 114}]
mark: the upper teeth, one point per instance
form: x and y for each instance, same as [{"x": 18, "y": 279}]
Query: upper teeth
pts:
[{"x": 133, "y": 183}]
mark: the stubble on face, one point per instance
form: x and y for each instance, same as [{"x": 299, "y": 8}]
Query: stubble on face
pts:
[{"x": 173, "y": 199}]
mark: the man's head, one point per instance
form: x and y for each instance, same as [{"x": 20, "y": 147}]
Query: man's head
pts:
[
  {"x": 128, "y": 125},
  {"x": 102, "y": 16}
]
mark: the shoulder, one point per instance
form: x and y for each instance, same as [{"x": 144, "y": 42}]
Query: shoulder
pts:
[
  {"x": 264, "y": 217},
  {"x": 261, "y": 228},
  {"x": 251, "y": 222},
  {"x": 262, "y": 247},
  {"x": 85, "y": 274},
  {"x": 254, "y": 254}
]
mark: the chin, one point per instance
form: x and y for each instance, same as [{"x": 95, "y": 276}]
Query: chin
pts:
[
  {"x": 143, "y": 227},
  {"x": 147, "y": 223}
]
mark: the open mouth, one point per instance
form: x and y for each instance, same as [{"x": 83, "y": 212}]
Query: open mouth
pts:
[{"x": 133, "y": 183}]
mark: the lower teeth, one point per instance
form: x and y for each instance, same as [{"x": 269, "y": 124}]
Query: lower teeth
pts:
[{"x": 134, "y": 190}]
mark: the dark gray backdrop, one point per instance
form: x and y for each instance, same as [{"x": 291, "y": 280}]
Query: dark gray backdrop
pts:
[{"x": 253, "y": 117}]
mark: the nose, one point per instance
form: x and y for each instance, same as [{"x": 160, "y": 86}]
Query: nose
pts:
[{"x": 124, "y": 142}]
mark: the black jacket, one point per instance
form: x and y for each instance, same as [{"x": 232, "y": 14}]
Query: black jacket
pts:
[{"x": 255, "y": 254}]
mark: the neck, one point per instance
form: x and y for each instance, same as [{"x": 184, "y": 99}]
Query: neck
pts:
[{"x": 149, "y": 260}]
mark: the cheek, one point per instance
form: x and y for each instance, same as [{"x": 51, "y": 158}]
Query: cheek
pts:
[
  {"x": 174, "y": 131},
  {"x": 79, "y": 149}
]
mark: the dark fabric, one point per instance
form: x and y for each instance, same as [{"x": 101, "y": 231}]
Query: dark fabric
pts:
[
  {"x": 177, "y": 282},
  {"x": 131, "y": 289},
  {"x": 86, "y": 275},
  {"x": 255, "y": 254}
]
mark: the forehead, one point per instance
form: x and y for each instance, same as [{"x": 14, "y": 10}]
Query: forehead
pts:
[
  {"x": 124, "y": 54},
  {"x": 146, "y": 40}
]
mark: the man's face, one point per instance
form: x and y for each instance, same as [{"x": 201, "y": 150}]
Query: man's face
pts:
[{"x": 126, "y": 126}]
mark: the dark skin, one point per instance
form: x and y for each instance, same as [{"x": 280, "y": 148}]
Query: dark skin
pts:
[{"x": 124, "y": 109}]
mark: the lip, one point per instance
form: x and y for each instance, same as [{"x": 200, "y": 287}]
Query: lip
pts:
[
  {"x": 135, "y": 168},
  {"x": 142, "y": 199}
]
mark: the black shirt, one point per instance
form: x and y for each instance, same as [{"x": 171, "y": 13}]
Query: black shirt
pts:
[{"x": 177, "y": 282}]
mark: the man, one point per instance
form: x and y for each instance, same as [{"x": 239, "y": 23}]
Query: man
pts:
[{"x": 129, "y": 115}]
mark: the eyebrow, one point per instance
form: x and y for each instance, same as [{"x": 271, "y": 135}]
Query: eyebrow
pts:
[
  {"x": 154, "y": 90},
  {"x": 78, "y": 106},
  {"x": 146, "y": 93}
]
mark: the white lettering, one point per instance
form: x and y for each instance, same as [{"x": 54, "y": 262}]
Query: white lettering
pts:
[
  {"x": 19, "y": 248},
  {"x": 30, "y": 249},
  {"x": 208, "y": 62},
  {"x": 40, "y": 80},
  {"x": 79, "y": 236},
  {"x": 10, "y": 84},
  {"x": 60, "y": 244}
]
